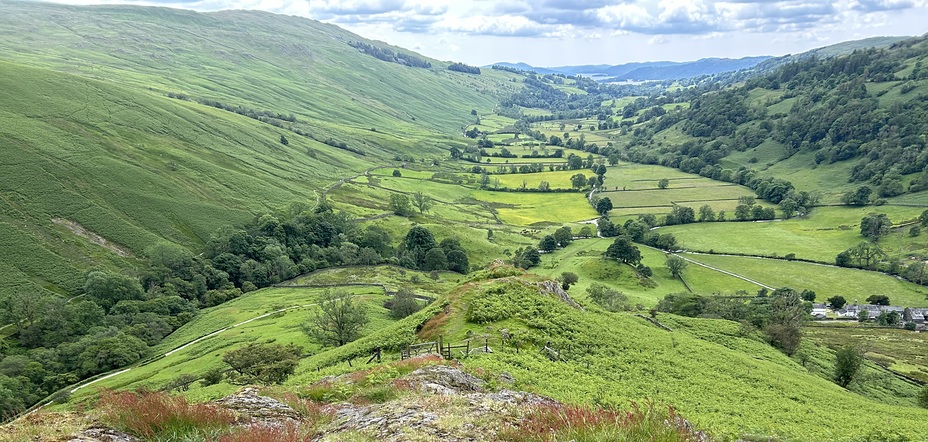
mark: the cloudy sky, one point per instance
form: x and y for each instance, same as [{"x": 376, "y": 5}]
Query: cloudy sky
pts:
[{"x": 572, "y": 32}]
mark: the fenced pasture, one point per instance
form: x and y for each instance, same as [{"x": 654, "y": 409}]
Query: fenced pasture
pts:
[{"x": 825, "y": 281}]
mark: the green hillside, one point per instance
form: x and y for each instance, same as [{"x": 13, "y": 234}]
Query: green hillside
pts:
[
  {"x": 724, "y": 380},
  {"x": 95, "y": 143}
]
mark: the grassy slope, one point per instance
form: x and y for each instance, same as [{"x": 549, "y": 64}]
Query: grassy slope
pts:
[
  {"x": 92, "y": 138},
  {"x": 718, "y": 377},
  {"x": 134, "y": 168}
]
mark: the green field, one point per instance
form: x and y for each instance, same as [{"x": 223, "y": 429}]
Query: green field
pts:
[
  {"x": 826, "y": 232},
  {"x": 527, "y": 209},
  {"x": 825, "y": 281}
]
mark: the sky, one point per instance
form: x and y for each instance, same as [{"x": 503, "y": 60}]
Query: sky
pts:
[{"x": 547, "y": 33}]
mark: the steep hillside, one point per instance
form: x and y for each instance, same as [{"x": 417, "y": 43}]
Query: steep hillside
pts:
[
  {"x": 252, "y": 59},
  {"x": 127, "y": 125}
]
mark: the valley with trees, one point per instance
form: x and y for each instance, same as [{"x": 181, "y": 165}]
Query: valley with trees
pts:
[{"x": 299, "y": 209}]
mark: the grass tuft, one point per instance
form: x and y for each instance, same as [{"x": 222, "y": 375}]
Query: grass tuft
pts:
[{"x": 158, "y": 415}]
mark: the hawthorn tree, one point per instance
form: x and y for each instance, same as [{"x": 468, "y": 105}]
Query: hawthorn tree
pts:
[{"x": 337, "y": 321}]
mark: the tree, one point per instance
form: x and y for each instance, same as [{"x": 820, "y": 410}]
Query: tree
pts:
[
  {"x": 435, "y": 259},
  {"x": 860, "y": 197},
  {"x": 106, "y": 289},
  {"x": 337, "y": 321},
  {"x": 675, "y": 265},
  {"x": 888, "y": 319},
  {"x": 563, "y": 236},
  {"x": 623, "y": 250},
  {"x": 457, "y": 261},
  {"x": 663, "y": 183},
  {"x": 923, "y": 218},
  {"x": 680, "y": 215},
  {"x": 878, "y": 299},
  {"x": 23, "y": 308},
  {"x": 866, "y": 254},
  {"x": 875, "y": 225},
  {"x": 417, "y": 242},
  {"x": 403, "y": 304},
  {"x": 400, "y": 204},
  {"x": 397, "y": 173},
  {"x": 422, "y": 201},
  {"x": 548, "y": 243},
  {"x": 706, "y": 214},
  {"x": 568, "y": 279},
  {"x": 789, "y": 207},
  {"x": 586, "y": 232},
  {"x": 786, "y": 319},
  {"x": 808, "y": 295},
  {"x": 262, "y": 363},
  {"x": 922, "y": 398},
  {"x": 284, "y": 140},
  {"x": 484, "y": 180},
  {"x": 848, "y": 360},
  {"x": 544, "y": 186},
  {"x": 836, "y": 301},
  {"x": 578, "y": 181},
  {"x": 604, "y": 205}
]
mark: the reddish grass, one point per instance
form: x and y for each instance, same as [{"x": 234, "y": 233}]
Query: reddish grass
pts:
[
  {"x": 431, "y": 327},
  {"x": 555, "y": 422},
  {"x": 291, "y": 432},
  {"x": 313, "y": 413},
  {"x": 147, "y": 414}
]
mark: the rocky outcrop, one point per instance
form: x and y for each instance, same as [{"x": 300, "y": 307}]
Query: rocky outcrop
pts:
[
  {"x": 250, "y": 407},
  {"x": 442, "y": 379},
  {"x": 553, "y": 288},
  {"x": 454, "y": 407},
  {"x": 102, "y": 435}
]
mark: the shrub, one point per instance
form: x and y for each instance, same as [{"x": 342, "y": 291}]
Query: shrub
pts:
[
  {"x": 922, "y": 397},
  {"x": 264, "y": 363},
  {"x": 403, "y": 304},
  {"x": 212, "y": 377}
]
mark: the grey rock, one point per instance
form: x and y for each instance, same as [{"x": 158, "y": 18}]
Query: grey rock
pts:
[
  {"x": 102, "y": 435},
  {"x": 254, "y": 408}
]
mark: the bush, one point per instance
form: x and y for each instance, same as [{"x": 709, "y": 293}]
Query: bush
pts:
[
  {"x": 212, "y": 377},
  {"x": 264, "y": 363},
  {"x": 922, "y": 397},
  {"x": 403, "y": 304}
]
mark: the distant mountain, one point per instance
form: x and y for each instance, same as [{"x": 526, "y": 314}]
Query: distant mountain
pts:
[
  {"x": 676, "y": 71},
  {"x": 528, "y": 67},
  {"x": 650, "y": 70}
]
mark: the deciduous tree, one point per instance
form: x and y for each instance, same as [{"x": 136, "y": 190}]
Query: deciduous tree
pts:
[
  {"x": 847, "y": 363},
  {"x": 338, "y": 319}
]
